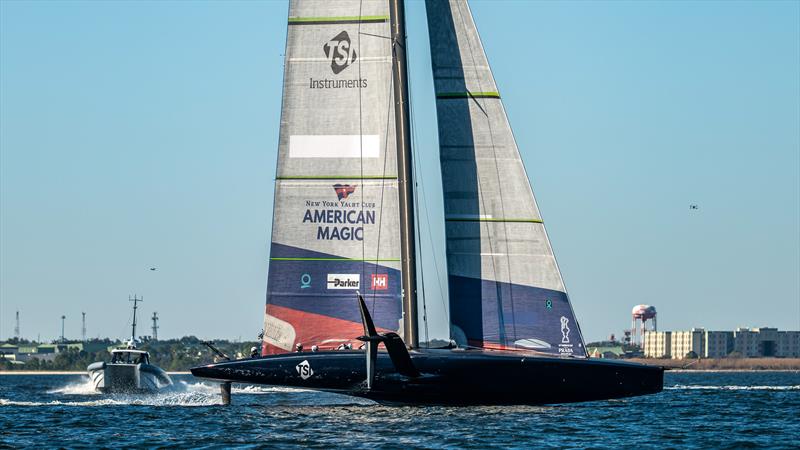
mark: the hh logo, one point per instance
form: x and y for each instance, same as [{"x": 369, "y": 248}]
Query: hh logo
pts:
[
  {"x": 340, "y": 52},
  {"x": 304, "y": 370},
  {"x": 344, "y": 190},
  {"x": 380, "y": 281}
]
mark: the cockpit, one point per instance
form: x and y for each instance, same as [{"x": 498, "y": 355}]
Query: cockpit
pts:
[{"x": 129, "y": 357}]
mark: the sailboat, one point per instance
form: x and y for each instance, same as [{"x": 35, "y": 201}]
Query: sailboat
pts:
[{"x": 342, "y": 305}]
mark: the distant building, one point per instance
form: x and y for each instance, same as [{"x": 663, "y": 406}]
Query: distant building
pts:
[
  {"x": 755, "y": 342},
  {"x": 687, "y": 342},
  {"x": 743, "y": 342},
  {"x": 788, "y": 344},
  {"x": 717, "y": 344},
  {"x": 657, "y": 344},
  {"x": 608, "y": 352}
]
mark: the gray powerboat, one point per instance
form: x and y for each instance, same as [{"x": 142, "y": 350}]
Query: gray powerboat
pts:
[{"x": 129, "y": 370}]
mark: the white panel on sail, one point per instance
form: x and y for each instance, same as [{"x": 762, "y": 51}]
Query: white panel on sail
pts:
[{"x": 335, "y": 146}]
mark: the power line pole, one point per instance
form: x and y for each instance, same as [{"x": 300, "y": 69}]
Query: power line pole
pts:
[
  {"x": 155, "y": 325},
  {"x": 16, "y": 327},
  {"x": 83, "y": 327}
]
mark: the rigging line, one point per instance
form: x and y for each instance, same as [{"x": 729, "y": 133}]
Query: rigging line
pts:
[
  {"x": 361, "y": 144},
  {"x": 373, "y": 35},
  {"x": 499, "y": 186},
  {"x": 421, "y": 197},
  {"x": 389, "y": 102},
  {"x": 417, "y": 200}
]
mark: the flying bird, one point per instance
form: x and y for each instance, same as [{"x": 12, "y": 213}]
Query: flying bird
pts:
[
  {"x": 153, "y": 269},
  {"x": 693, "y": 206}
]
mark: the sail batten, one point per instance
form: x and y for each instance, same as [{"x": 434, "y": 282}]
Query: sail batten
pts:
[{"x": 506, "y": 291}]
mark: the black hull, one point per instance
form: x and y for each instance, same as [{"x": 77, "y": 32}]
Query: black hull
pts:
[{"x": 450, "y": 377}]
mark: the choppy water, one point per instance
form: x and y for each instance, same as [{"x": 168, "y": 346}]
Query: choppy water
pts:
[{"x": 700, "y": 410}]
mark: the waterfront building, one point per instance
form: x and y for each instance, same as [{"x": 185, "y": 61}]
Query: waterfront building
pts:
[
  {"x": 657, "y": 344},
  {"x": 687, "y": 342},
  {"x": 788, "y": 344},
  {"x": 742, "y": 342},
  {"x": 717, "y": 344}
]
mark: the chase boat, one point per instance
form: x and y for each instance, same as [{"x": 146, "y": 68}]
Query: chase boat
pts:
[{"x": 129, "y": 370}]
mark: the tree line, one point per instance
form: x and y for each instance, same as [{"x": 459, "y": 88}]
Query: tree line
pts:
[{"x": 171, "y": 355}]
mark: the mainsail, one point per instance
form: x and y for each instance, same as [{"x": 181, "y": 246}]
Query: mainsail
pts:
[
  {"x": 506, "y": 290},
  {"x": 336, "y": 218}
]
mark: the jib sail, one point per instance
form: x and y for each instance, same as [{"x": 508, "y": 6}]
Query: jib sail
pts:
[
  {"x": 335, "y": 226},
  {"x": 506, "y": 290}
]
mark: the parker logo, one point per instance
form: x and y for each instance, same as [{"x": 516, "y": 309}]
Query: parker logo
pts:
[
  {"x": 380, "y": 281},
  {"x": 344, "y": 280},
  {"x": 340, "y": 52},
  {"x": 304, "y": 370},
  {"x": 344, "y": 190}
]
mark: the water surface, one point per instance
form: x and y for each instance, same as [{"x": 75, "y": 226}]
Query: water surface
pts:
[{"x": 696, "y": 410}]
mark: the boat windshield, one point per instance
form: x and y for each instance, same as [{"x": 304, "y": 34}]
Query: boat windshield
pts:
[{"x": 129, "y": 358}]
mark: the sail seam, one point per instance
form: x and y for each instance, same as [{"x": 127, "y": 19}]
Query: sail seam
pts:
[
  {"x": 468, "y": 94},
  {"x": 334, "y": 259},
  {"x": 338, "y": 177},
  {"x": 336, "y": 20},
  {"x": 488, "y": 219}
]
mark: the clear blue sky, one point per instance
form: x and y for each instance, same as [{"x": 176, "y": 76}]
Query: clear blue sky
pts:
[{"x": 139, "y": 134}]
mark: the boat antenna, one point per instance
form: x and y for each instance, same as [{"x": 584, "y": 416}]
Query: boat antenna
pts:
[
  {"x": 135, "y": 301},
  {"x": 404, "y": 171}
]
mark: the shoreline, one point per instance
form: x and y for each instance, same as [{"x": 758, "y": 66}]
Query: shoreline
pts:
[{"x": 724, "y": 364}]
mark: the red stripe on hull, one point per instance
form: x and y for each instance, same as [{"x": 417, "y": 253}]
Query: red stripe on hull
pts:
[{"x": 313, "y": 329}]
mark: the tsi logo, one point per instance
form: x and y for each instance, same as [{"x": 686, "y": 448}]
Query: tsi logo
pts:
[
  {"x": 340, "y": 52},
  {"x": 380, "y": 281},
  {"x": 343, "y": 280},
  {"x": 304, "y": 370}
]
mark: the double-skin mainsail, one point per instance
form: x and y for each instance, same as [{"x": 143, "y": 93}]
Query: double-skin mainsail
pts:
[
  {"x": 336, "y": 223},
  {"x": 343, "y": 220}
]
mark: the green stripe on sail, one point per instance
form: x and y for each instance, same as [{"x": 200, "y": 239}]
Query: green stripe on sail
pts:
[
  {"x": 336, "y": 20},
  {"x": 340, "y": 177},
  {"x": 335, "y": 259},
  {"x": 490, "y": 219},
  {"x": 468, "y": 94}
]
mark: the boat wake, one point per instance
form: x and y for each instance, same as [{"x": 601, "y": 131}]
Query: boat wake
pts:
[
  {"x": 732, "y": 388},
  {"x": 83, "y": 387},
  {"x": 189, "y": 394}
]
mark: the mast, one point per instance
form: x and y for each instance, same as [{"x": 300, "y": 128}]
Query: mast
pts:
[
  {"x": 155, "y": 326},
  {"x": 135, "y": 300},
  {"x": 408, "y": 265}
]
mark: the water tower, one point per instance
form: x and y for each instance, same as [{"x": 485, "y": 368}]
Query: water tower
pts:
[{"x": 641, "y": 314}]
